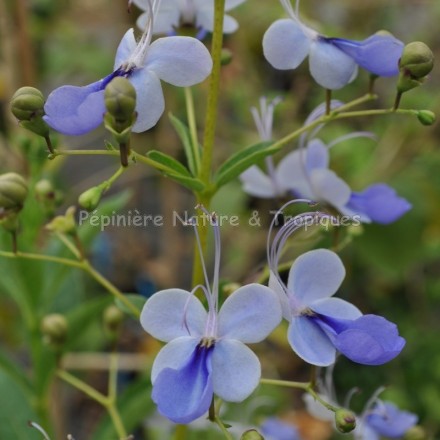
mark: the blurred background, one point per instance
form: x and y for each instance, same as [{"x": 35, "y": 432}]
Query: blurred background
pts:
[{"x": 391, "y": 270}]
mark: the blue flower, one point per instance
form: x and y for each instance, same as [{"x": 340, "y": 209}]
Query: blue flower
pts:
[
  {"x": 385, "y": 419},
  {"x": 333, "y": 61},
  {"x": 305, "y": 173},
  {"x": 276, "y": 429},
  {"x": 181, "y": 61},
  {"x": 173, "y": 14},
  {"x": 319, "y": 325},
  {"x": 205, "y": 352}
]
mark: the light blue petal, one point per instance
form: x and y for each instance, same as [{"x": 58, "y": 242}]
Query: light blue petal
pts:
[
  {"x": 330, "y": 67},
  {"x": 317, "y": 410},
  {"x": 329, "y": 188},
  {"x": 256, "y": 183},
  {"x": 230, "y": 24},
  {"x": 250, "y": 314},
  {"x": 277, "y": 429},
  {"x": 173, "y": 313},
  {"x": 317, "y": 155},
  {"x": 275, "y": 285},
  {"x": 181, "y": 61},
  {"x": 337, "y": 308},
  {"x": 389, "y": 421},
  {"x": 236, "y": 370},
  {"x": 285, "y": 45},
  {"x": 315, "y": 275},
  {"x": 165, "y": 20},
  {"x": 310, "y": 343},
  {"x": 379, "y": 54},
  {"x": 75, "y": 110},
  {"x": 364, "y": 432},
  {"x": 185, "y": 394},
  {"x": 379, "y": 203},
  {"x": 125, "y": 49},
  {"x": 231, "y": 4},
  {"x": 150, "y": 103},
  {"x": 173, "y": 355}
]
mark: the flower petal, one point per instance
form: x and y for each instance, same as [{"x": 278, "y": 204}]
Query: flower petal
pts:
[
  {"x": 275, "y": 285},
  {"x": 370, "y": 340},
  {"x": 181, "y": 61},
  {"x": 310, "y": 343},
  {"x": 185, "y": 394},
  {"x": 249, "y": 314},
  {"x": 125, "y": 49},
  {"x": 166, "y": 18},
  {"x": 276, "y": 429},
  {"x": 236, "y": 370},
  {"x": 256, "y": 183},
  {"x": 173, "y": 313},
  {"x": 150, "y": 103},
  {"x": 230, "y": 24},
  {"x": 380, "y": 203},
  {"x": 173, "y": 355},
  {"x": 317, "y": 155},
  {"x": 389, "y": 421},
  {"x": 337, "y": 308},
  {"x": 315, "y": 275},
  {"x": 330, "y": 67},
  {"x": 285, "y": 45},
  {"x": 75, "y": 110},
  {"x": 379, "y": 54},
  {"x": 231, "y": 4},
  {"x": 329, "y": 187}
]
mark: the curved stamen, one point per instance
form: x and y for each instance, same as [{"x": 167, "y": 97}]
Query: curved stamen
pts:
[
  {"x": 356, "y": 134},
  {"x": 39, "y": 428},
  {"x": 185, "y": 308},
  {"x": 287, "y": 6},
  {"x": 349, "y": 396},
  {"x": 372, "y": 401}
]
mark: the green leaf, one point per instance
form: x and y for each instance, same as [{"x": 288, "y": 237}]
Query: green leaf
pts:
[
  {"x": 137, "y": 300},
  {"x": 184, "y": 135},
  {"x": 15, "y": 372},
  {"x": 167, "y": 164},
  {"x": 189, "y": 182},
  {"x": 241, "y": 161}
]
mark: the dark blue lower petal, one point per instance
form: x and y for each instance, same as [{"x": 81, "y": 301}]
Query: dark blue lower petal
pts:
[
  {"x": 368, "y": 340},
  {"x": 185, "y": 394},
  {"x": 378, "y": 54},
  {"x": 379, "y": 203}
]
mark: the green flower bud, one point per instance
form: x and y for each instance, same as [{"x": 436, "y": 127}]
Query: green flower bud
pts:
[
  {"x": 113, "y": 318},
  {"x": 26, "y": 103},
  {"x": 44, "y": 189},
  {"x": 120, "y": 101},
  {"x": 54, "y": 328},
  {"x": 252, "y": 434},
  {"x": 13, "y": 191},
  {"x": 417, "y": 60},
  {"x": 90, "y": 199},
  {"x": 415, "y": 433},
  {"x": 426, "y": 117},
  {"x": 226, "y": 57},
  {"x": 345, "y": 420},
  {"x": 64, "y": 224}
]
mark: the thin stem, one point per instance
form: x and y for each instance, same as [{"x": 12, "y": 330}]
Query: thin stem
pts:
[
  {"x": 223, "y": 428},
  {"x": 49, "y": 144},
  {"x": 85, "y": 153},
  {"x": 49, "y": 258},
  {"x": 397, "y": 101},
  {"x": 328, "y": 101},
  {"x": 181, "y": 432},
  {"x": 117, "y": 421},
  {"x": 14, "y": 242},
  {"x": 109, "y": 182},
  {"x": 113, "y": 376},
  {"x": 192, "y": 124},
  {"x": 72, "y": 248}
]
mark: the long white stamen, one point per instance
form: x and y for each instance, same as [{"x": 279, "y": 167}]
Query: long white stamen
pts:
[
  {"x": 39, "y": 428},
  {"x": 356, "y": 134},
  {"x": 185, "y": 308},
  {"x": 372, "y": 401},
  {"x": 287, "y": 6},
  {"x": 349, "y": 396}
]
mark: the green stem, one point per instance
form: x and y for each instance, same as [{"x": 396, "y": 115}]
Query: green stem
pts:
[
  {"x": 72, "y": 248},
  {"x": 49, "y": 258},
  {"x": 109, "y": 182},
  {"x": 223, "y": 428},
  {"x": 192, "y": 127},
  {"x": 113, "y": 376},
  {"x": 85, "y": 153},
  {"x": 181, "y": 432}
]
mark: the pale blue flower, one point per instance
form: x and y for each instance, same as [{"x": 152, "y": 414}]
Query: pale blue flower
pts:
[
  {"x": 274, "y": 428},
  {"x": 174, "y": 14},
  {"x": 333, "y": 61},
  {"x": 181, "y": 61},
  {"x": 206, "y": 352},
  {"x": 321, "y": 326}
]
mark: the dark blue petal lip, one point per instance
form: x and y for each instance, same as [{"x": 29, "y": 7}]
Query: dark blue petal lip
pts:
[
  {"x": 74, "y": 111},
  {"x": 185, "y": 394},
  {"x": 389, "y": 421},
  {"x": 378, "y": 54},
  {"x": 380, "y": 203},
  {"x": 368, "y": 340}
]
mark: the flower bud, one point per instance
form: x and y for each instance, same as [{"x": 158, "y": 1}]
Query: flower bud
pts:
[
  {"x": 54, "y": 328},
  {"x": 113, "y": 318},
  {"x": 26, "y": 103},
  {"x": 345, "y": 420},
  {"x": 65, "y": 224},
  {"x": 13, "y": 191},
  {"x": 90, "y": 199},
  {"x": 44, "y": 190},
  {"x": 426, "y": 117},
  {"x": 226, "y": 57},
  {"x": 252, "y": 434},
  {"x": 120, "y": 101},
  {"x": 417, "y": 60}
]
